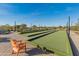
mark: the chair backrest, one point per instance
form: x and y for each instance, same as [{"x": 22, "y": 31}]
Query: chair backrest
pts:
[{"x": 14, "y": 43}]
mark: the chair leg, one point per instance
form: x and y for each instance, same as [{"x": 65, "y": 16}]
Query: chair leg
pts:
[
  {"x": 12, "y": 51},
  {"x": 17, "y": 53},
  {"x": 25, "y": 48}
]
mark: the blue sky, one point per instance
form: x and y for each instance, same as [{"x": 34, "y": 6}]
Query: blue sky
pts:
[{"x": 51, "y": 14}]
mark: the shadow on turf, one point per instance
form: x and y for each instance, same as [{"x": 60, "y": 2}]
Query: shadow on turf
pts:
[
  {"x": 36, "y": 34},
  {"x": 36, "y": 51},
  {"x": 74, "y": 49}
]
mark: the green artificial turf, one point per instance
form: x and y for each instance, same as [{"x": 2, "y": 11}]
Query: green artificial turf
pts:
[
  {"x": 32, "y": 33},
  {"x": 57, "y": 42}
]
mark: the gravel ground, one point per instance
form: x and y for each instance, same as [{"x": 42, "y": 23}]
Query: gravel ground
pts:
[
  {"x": 75, "y": 42},
  {"x": 6, "y": 48}
]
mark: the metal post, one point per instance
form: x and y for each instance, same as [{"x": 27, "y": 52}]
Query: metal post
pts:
[
  {"x": 69, "y": 25},
  {"x": 31, "y": 27},
  {"x": 15, "y": 26},
  {"x": 39, "y": 27}
]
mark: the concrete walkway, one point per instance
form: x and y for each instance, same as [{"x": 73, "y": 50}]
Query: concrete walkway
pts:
[
  {"x": 6, "y": 48},
  {"x": 75, "y": 42}
]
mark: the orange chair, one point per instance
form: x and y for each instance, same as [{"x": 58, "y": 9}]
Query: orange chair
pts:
[{"x": 17, "y": 46}]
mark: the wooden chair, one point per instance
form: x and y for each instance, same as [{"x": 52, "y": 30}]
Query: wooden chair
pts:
[{"x": 17, "y": 46}]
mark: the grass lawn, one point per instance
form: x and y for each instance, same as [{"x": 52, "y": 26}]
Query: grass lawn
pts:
[{"x": 57, "y": 42}]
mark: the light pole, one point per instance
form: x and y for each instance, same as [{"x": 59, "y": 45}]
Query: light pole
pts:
[
  {"x": 39, "y": 27},
  {"x": 69, "y": 25},
  {"x": 15, "y": 26},
  {"x": 31, "y": 27}
]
